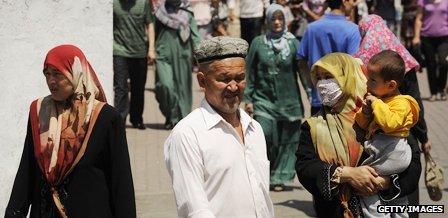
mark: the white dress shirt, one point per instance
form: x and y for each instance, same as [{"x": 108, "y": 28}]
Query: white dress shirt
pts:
[
  {"x": 250, "y": 8},
  {"x": 214, "y": 173}
]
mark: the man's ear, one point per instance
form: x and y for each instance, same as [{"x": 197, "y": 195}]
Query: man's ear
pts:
[{"x": 201, "y": 79}]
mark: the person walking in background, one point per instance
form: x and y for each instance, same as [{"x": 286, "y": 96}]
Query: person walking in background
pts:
[
  {"x": 314, "y": 9},
  {"x": 220, "y": 13},
  {"x": 133, "y": 49},
  {"x": 177, "y": 36},
  {"x": 431, "y": 31},
  {"x": 408, "y": 21},
  {"x": 287, "y": 13},
  {"x": 251, "y": 17},
  {"x": 331, "y": 33},
  {"x": 386, "y": 10},
  {"x": 272, "y": 94},
  {"x": 203, "y": 16},
  {"x": 75, "y": 161},
  {"x": 216, "y": 156},
  {"x": 299, "y": 23}
]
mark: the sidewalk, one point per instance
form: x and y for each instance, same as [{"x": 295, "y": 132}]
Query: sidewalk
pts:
[{"x": 154, "y": 196}]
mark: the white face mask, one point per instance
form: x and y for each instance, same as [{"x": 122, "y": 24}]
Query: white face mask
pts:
[{"x": 329, "y": 90}]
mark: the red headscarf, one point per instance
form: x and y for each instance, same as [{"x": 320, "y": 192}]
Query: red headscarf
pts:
[{"x": 60, "y": 138}]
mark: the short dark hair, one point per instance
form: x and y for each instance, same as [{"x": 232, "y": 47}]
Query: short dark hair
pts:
[
  {"x": 391, "y": 65},
  {"x": 334, "y": 4}
]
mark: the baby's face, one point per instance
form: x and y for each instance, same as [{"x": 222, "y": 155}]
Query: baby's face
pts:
[{"x": 376, "y": 84}]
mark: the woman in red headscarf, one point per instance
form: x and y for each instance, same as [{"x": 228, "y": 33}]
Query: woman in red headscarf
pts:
[{"x": 75, "y": 161}]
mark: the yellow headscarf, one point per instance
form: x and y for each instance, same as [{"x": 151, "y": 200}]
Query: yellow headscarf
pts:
[{"x": 332, "y": 131}]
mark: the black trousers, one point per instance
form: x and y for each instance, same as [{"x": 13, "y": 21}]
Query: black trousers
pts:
[
  {"x": 250, "y": 28},
  {"x": 419, "y": 131},
  {"x": 135, "y": 69},
  {"x": 435, "y": 50}
]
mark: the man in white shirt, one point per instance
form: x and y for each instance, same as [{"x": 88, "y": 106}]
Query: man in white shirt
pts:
[
  {"x": 216, "y": 156},
  {"x": 251, "y": 16}
]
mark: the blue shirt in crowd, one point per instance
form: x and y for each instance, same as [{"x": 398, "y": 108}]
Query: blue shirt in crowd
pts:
[{"x": 331, "y": 33}]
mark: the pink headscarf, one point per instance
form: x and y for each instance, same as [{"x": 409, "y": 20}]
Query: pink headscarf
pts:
[{"x": 377, "y": 37}]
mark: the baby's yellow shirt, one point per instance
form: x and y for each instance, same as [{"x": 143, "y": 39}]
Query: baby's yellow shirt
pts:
[{"x": 395, "y": 116}]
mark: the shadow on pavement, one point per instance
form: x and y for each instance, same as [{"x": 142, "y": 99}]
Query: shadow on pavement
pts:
[
  {"x": 304, "y": 206},
  {"x": 150, "y": 89},
  {"x": 288, "y": 188},
  {"x": 156, "y": 126}
]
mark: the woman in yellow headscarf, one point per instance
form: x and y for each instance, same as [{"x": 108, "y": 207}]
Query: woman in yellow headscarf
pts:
[{"x": 329, "y": 150}]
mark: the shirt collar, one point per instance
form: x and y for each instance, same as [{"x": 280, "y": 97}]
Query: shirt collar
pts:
[
  {"x": 332, "y": 16},
  {"x": 211, "y": 117}
]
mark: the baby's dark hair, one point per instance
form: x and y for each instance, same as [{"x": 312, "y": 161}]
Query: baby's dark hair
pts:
[{"x": 391, "y": 65}]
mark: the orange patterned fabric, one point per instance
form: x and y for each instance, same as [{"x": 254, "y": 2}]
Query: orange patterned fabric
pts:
[{"x": 60, "y": 137}]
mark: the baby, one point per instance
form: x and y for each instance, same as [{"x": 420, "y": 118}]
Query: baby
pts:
[{"x": 387, "y": 116}]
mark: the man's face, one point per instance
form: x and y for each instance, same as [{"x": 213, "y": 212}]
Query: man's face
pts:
[{"x": 223, "y": 83}]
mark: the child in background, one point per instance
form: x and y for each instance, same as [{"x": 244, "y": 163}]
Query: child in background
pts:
[{"x": 387, "y": 116}]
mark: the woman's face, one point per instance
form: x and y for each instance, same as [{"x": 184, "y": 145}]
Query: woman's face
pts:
[
  {"x": 278, "y": 21},
  {"x": 328, "y": 88},
  {"x": 60, "y": 86}
]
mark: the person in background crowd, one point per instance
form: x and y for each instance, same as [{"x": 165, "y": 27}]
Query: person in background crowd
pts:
[
  {"x": 362, "y": 9},
  {"x": 431, "y": 31},
  {"x": 332, "y": 33},
  {"x": 408, "y": 21},
  {"x": 216, "y": 156},
  {"x": 219, "y": 17},
  {"x": 329, "y": 153},
  {"x": 386, "y": 10},
  {"x": 75, "y": 161},
  {"x": 299, "y": 24},
  {"x": 376, "y": 37},
  {"x": 177, "y": 36},
  {"x": 203, "y": 15},
  {"x": 133, "y": 49},
  {"x": 272, "y": 94},
  {"x": 251, "y": 17},
  {"x": 314, "y": 9},
  {"x": 289, "y": 17}
]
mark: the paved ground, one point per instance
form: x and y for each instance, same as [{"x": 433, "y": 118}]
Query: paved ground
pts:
[{"x": 153, "y": 185}]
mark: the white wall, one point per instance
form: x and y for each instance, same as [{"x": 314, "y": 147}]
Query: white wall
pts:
[{"x": 28, "y": 29}]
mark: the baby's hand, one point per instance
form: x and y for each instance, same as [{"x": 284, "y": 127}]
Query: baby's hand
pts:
[
  {"x": 370, "y": 98},
  {"x": 367, "y": 104}
]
